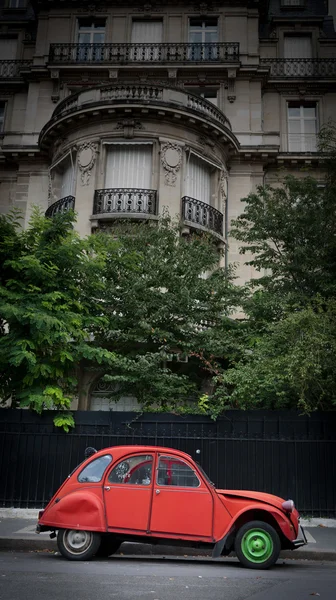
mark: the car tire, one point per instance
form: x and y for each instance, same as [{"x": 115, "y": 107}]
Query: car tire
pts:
[
  {"x": 108, "y": 545},
  {"x": 257, "y": 545},
  {"x": 74, "y": 544}
]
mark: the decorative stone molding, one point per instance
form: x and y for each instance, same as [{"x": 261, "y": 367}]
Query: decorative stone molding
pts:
[
  {"x": 223, "y": 185},
  {"x": 129, "y": 125},
  {"x": 86, "y": 159},
  {"x": 231, "y": 85},
  {"x": 171, "y": 160}
]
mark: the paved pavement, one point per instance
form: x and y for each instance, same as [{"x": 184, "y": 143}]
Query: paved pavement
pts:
[
  {"x": 17, "y": 533},
  {"x": 33, "y": 576}
]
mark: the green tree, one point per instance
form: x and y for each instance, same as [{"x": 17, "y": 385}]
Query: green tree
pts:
[
  {"x": 285, "y": 344},
  {"x": 73, "y": 310}
]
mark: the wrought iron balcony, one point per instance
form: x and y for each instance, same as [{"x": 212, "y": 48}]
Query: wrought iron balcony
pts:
[
  {"x": 61, "y": 206},
  {"x": 125, "y": 201},
  {"x": 11, "y": 69},
  {"x": 203, "y": 214},
  {"x": 121, "y": 54},
  {"x": 300, "y": 67}
]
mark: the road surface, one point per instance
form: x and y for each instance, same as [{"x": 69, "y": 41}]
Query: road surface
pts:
[{"x": 42, "y": 575}]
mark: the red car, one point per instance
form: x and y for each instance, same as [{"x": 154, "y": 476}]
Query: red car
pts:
[{"x": 160, "y": 495}]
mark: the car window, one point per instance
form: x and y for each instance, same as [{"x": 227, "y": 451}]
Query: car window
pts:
[
  {"x": 95, "y": 470},
  {"x": 172, "y": 471},
  {"x": 134, "y": 470}
]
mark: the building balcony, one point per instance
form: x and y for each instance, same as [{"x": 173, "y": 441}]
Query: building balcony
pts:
[
  {"x": 61, "y": 206},
  {"x": 139, "y": 54},
  {"x": 114, "y": 203},
  {"x": 195, "y": 212},
  {"x": 12, "y": 69},
  {"x": 281, "y": 68},
  {"x": 160, "y": 102}
]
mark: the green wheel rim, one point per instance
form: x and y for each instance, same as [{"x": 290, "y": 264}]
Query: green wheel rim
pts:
[{"x": 257, "y": 545}]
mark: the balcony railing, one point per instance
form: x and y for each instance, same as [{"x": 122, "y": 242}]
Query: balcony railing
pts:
[
  {"x": 125, "y": 201},
  {"x": 201, "y": 213},
  {"x": 61, "y": 206},
  {"x": 300, "y": 67},
  {"x": 148, "y": 94},
  {"x": 11, "y": 69},
  {"x": 214, "y": 52}
]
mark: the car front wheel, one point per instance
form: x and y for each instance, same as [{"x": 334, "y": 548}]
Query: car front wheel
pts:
[
  {"x": 78, "y": 545},
  {"x": 257, "y": 545}
]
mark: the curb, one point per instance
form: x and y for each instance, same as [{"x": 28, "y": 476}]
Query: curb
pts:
[{"x": 140, "y": 551}]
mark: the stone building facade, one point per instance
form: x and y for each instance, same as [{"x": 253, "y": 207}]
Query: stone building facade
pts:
[{"x": 122, "y": 110}]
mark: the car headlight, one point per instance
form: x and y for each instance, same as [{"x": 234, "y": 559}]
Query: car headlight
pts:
[{"x": 288, "y": 506}]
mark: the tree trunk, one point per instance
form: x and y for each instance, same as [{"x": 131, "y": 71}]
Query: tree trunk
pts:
[{"x": 86, "y": 378}]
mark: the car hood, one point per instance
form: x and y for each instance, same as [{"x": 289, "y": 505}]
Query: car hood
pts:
[{"x": 247, "y": 495}]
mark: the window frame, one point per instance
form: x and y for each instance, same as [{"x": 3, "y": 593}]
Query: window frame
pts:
[
  {"x": 126, "y": 459},
  {"x": 302, "y": 104},
  {"x": 176, "y": 459},
  {"x": 96, "y": 459}
]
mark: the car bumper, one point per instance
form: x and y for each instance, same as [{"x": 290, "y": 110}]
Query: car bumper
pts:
[{"x": 301, "y": 539}]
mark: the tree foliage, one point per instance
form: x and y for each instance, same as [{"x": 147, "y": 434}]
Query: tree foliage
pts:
[
  {"x": 118, "y": 305},
  {"x": 286, "y": 341}
]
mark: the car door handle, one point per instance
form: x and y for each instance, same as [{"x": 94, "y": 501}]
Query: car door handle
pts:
[
  {"x": 107, "y": 488},
  {"x": 157, "y": 491}
]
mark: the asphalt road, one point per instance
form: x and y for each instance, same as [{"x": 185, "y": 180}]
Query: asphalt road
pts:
[{"x": 35, "y": 576}]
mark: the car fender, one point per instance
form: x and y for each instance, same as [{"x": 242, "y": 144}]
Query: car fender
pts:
[
  {"x": 81, "y": 509},
  {"x": 282, "y": 520}
]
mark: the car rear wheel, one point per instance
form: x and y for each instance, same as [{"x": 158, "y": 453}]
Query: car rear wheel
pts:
[
  {"x": 78, "y": 545},
  {"x": 108, "y": 545},
  {"x": 257, "y": 545}
]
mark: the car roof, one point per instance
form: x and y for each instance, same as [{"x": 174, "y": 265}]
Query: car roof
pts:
[{"x": 118, "y": 451}]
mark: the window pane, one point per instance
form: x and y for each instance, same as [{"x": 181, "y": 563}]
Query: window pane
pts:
[
  {"x": 136, "y": 470},
  {"x": 309, "y": 111},
  {"x": 175, "y": 472},
  {"x": 95, "y": 470},
  {"x": 293, "y": 111}
]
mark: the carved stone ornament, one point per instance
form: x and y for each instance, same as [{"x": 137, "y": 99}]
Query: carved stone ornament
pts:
[
  {"x": 128, "y": 126},
  {"x": 223, "y": 185},
  {"x": 171, "y": 159},
  {"x": 86, "y": 159}
]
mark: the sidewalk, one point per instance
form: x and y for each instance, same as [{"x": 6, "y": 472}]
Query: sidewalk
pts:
[{"x": 17, "y": 533}]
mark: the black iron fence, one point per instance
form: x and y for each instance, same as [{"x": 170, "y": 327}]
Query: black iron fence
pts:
[
  {"x": 125, "y": 200},
  {"x": 60, "y": 206},
  {"x": 275, "y": 451},
  {"x": 300, "y": 67},
  {"x": 125, "y": 53},
  {"x": 203, "y": 214},
  {"x": 11, "y": 69}
]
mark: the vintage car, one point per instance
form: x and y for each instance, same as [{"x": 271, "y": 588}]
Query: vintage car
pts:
[{"x": 161, "y": 495}]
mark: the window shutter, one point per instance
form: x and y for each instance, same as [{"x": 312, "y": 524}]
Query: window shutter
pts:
[
  {"x": 198, "y": 180},
  {"x": 129, "y": 166}
]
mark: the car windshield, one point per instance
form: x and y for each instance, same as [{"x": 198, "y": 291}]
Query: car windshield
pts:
[{"x": 205, "y": 475}]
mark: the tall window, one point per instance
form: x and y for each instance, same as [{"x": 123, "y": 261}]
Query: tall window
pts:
[
  {"x": 205, "y": 32},
  {"x": 91, "y": 33},
  {"x": 8, "y": 49},
  {"x": 302, "y": 126},
  {"x": 298, "y": 46},
  {"x": 62, "y": 179},
  {"x": 2, "y": 116},
  {"x": 129, "y": 166},
  {"x": 146, "y": 32},
  {"x": 199, "y": 179}
]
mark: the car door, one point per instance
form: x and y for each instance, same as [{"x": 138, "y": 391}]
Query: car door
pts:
[
  {"x": 128, "y": 493},
  {"x": 182, "y": 503}
]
